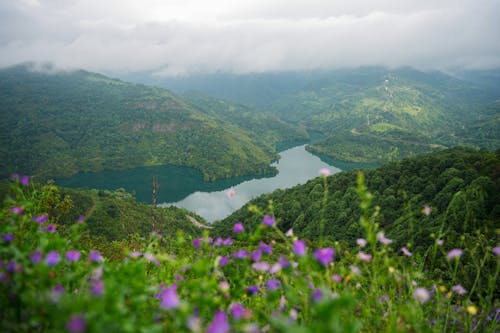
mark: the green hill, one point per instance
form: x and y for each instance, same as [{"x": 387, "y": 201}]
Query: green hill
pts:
[
  {"x": 460, "y": 185},
  {"x": 56, "y": 124}
]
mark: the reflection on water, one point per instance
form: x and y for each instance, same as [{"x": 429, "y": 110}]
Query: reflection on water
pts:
[{"x": 296, "y": 166}]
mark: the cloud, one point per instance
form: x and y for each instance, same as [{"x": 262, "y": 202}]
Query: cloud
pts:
[{"x": 183, "y": 36}]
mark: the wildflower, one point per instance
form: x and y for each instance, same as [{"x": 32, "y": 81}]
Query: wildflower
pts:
[
  {"x": 421, "y": 295},
  {"x": 97, "y": 287},
  {"x": 267, "y": 249},
  {"x": 231, "y": 193},
  {"x": 81, "y": 219},
  {"x": 224, "y": 286},
  {"x": 238, "y": 228},
  {"x": 382, "y": 239},
  {"x": 238, "y": 311},
  {"x": 455, "y": 253},
  {"x": 325, "y": 172},
  {"x": 364, "y": 256},
  {"x": 299, "y": 248},
  {"x": 76, "y": 324},
  {"x": 384, "y": 298},
  {"x": 40, "y": 219},
  {"x": 56, "y": 293},
  {"x": 472, "y": 309},
  {"x": 336, "y": 278},
  {"x": 273, "y": 284},
  {"x": 197, "y": 243},
  {"x": 268, "y": 220},
  {"x": 135, "y": 254},
  {"x": 283, "y": 262},
  {"x": 72, "y": 255},
  {"x": 317, "y": 295},
  {"x": 228, "y": 241},
  {"x": 8, "y": 238},
  {"x": 36, "y": 256},
  {"x": 275, "y": 268},
  {"x": 294, "y": 314},
  {"x": 361, "y": 242},
  {"x": 151, "y": 258},
  {"x": 240, "y": 254},
  {"x": 256, "y": 255},
  {"x": 223, "y": 261},
  {"x": 459, "y": 290},
  {"x": 261, "y": 266},
  {"x": 17, "y": 210},
  {"x": 15, "y": 176},
  {"x": 289, "y": 233},
  {"x": 168, "y": 297},
  {"x": 52, "y": 258},
  {"x": 496, "y": 250},
  {"x": 282, "y": 303},
  {"x": 355, "y": 270},
  {"x": 50, "y": 228},
  {"x": 427, "y": 210},
  {"x": 252, "y": 289},
  {"x": 25, "y": 180},
  {"x": 406, "y": 252},
  {"x": 156, "y": 234},
  {"x": 12, "y": 266},
  {"x": 95, "y": 256},
  {"x": 219, "y": 324},
  {"x": 324, "y": 256},
  {"x": 194, "y": 323}
]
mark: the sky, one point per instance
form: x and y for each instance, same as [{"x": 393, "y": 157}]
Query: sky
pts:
[{"x": 180, "y": 37}]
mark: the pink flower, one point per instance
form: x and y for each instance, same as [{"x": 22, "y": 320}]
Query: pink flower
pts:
[
  {"x": 299, "y": 248},
  {"x": 336, "y": 278},
  {"x": 382, "y": 239},
  {"x": 325, "y": 172},
  {"x": 459, "y": 290},
  {"x": 364, "y": 256},
  {"x": 427, "y": 210},
  {"x": 455, "y": 253},
  {"x": 238, "y": 228},
  {"x": 219, "y": 324},
  {"x": 361, "y": 242},
  {"x": 268, "y": 220},
  {"x": 324, "y": 256},
  {"x": 168, "y": 297},
  {"x": 421, "y": 294},
  {"x": 231, "y": 193},
  {"x": 72, "y": 255},
  {"x": 406, "y": 252},
  {"x": 496, "y": 250}
]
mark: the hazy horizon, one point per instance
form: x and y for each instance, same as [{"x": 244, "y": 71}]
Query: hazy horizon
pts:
[{"x": 169, "y": 38}]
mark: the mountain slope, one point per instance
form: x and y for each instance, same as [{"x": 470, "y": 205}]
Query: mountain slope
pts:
[{"x": 58, "y": 124}]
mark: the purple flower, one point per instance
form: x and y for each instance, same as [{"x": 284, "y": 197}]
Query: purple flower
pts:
[
  {"x": 12, "y": 266},
  {"x": 25, "y": 180},
  {"x": 40, "y": 219},
  {"x": 197, "y": 242},
  {"x": 283, "y": 262},
  {"x": 455, "y": 253},
  {"x": 256, "y": 255},
  {"x": 268, "y": 220},
  {"x": 50, "y": 228},
  {"x": 72, "y": 255},
  {"x": 427, "y": 210},
  {"x": 8, "y": 237},
  {"x": 56, "y": 293},
  {"x": 168, "y": 297},
  {"x": 421, "y": 295},
  {"x": 496, "y": 250},
  {"x": 273, "y": 284},
  {"x": 361, "y": 242},
  {"x": 151, "y": 258},
  {"x": 76, "y": 324},
  {"x": 238, "y": 228},
  {"x": 382, "y": 239},
  {"x": 237, "y": 311},
  {"x": 384, "y": 298},
  {"x": 324, "y": 256},
  {"x": 325, "y": 172},
  {"x": 81, "y": 219},
  {"x": 355, "y": 270},
  {"x": 289, "y": 233},
  {"x": 97, "y": 287},
  {"x": 219, "y": 324},
  {"x": 223, "y": 261},
  {"x": 267, "y": 249},
  {"x": 317, "y": 295},
  {"x": 275, "y": 268},
  {"x": 336, "y": 278},
  {"x": 228, "y": 241},
  {"x": 440, "y": 242},
  {"x": 406, "y": 252},
  {"x": 364, "y": 256},
  {"x": 261, "y": 266},
  {"x": 240, "y": 254},
  {"x": 17, "y": 210},
  {"x": 156, "y": 234},
  {"x": 299, "y": 248},
  {"x": 459, "y": 290},
  {"x": 135, "y": 254},
  {"x": 36, "y": 257},
  {"x": 252, "y": 289},
  {"x": 95, "y": 256},
  {"x": 52, "y": 258},
  {"x": 15, "y": 176}
]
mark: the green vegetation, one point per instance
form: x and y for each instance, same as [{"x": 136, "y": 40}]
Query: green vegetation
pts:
[
  {"x": 262, "y": 280},
  {"x": 59, "y": 124}
]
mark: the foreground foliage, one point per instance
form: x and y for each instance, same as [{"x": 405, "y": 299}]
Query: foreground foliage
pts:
[{"x": 256, "y": 280}]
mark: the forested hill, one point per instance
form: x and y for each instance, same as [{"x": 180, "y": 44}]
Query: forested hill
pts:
[
  {"x": 460, "y": 186},
  {"x": 56, "y": 124}
]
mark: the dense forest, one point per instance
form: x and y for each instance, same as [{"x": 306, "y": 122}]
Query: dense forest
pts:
[{"x": 62, "y": 123}]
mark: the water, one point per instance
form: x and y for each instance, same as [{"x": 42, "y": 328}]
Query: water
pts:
[
  {"x": 184, "y": 187},
  {"x": 296, "y": 166}
]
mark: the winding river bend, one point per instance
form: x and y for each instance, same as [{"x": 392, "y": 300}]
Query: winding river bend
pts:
[{"x": 184, "y": 187}]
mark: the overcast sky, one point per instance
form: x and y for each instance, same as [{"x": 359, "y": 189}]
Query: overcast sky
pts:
[{"x": 174, "y": 37}]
